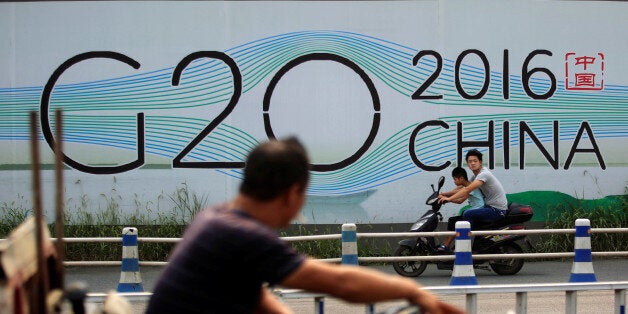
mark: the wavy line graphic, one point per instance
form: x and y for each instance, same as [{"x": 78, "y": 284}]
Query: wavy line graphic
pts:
[{"x": 102, "y": 112}]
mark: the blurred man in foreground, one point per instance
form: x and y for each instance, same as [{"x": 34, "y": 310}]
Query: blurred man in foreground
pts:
[{"x": 230, "y": 253}]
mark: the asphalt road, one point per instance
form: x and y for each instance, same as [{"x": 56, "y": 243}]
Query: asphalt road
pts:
[{"x": 102, "y": 279}]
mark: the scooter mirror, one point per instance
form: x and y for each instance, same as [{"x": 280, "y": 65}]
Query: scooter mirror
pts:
[{"x": 441, "y": 182}]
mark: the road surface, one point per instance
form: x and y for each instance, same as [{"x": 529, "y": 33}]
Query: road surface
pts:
[{"x": 102, "y": 279}]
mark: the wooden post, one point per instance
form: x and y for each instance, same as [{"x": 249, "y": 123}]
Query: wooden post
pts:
[
  {"x": 40, "y": 289},
  {"x": 59, "y": 216}
]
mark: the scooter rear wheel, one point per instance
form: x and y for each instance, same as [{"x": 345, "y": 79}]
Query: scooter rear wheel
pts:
[
  {"x": 409, "y": 268},
  {"x": 506, "y": 267}
]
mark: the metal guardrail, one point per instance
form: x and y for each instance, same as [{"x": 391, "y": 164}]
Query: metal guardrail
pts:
[
  {"x": 369, "y": 235},
  {"x": 365, "y": 259},
  {"x": 470, "y": 292},
  {"x": 521, "y": 294},
  {"x": 522, "y": 291}
]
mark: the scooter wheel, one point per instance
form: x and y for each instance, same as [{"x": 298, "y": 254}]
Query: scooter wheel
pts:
[
  {"x": 409, "y": 268},
  {"x": 506, "y": 267}
]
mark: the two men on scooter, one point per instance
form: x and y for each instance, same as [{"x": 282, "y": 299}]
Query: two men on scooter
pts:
[{"x": 494, "y": 196}]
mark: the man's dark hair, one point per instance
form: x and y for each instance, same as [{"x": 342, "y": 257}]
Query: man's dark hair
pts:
[
  {"x": 474, "y": 152},
  {"x": 273, "y": 167},
  {"x": 459, "y": 172}
]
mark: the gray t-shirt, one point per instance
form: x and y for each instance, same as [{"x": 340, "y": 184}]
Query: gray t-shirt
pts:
[{"x": 492, "y": 189}]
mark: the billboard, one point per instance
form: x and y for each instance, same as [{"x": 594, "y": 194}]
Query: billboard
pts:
[{"x": 386, "y": 96}]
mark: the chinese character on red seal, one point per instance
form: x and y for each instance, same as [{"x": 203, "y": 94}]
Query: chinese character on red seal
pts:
[{"x": 584, "y": 72}]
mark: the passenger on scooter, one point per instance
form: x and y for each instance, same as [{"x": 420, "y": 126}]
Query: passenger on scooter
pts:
[
  {"x": 495, "y": 202},
  {"x": 476, "y": 200},
  {"x": 461, "y": 180}
]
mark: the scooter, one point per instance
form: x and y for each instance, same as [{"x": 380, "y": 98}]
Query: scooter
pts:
[{"x": 516, "y": 215}]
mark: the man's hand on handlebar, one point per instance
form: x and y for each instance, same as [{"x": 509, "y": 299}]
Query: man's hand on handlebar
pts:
[{"x": 442, "y": 199}]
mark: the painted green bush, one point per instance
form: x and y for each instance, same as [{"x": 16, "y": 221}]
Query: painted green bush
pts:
[{"x": 610, "y": 214}]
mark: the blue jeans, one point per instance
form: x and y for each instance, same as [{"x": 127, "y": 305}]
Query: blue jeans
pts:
[{"x": 483, "y": 215}]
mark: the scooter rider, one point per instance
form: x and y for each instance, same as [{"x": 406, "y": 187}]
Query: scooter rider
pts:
[{"x": 495, "y": 202}]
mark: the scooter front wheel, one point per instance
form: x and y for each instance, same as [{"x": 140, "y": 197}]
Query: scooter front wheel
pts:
[{"x": 408, "y": 268}]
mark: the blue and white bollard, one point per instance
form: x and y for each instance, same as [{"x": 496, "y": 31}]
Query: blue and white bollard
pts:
[
  {"x": 582, "y": 269},
  {"x": 130, "y": 278},
  {"x": 349, "y": 244},
  {"x": 463, "y": 273}
]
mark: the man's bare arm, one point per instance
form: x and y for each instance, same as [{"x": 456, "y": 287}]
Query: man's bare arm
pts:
[
  {"x": 463, "y": 193},
  {"x": 363, "y": 285},
  {"x": 452, "y": 192},
  {"x": 269, "y": 304}
]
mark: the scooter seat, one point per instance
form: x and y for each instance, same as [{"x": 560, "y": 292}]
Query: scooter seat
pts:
[{"x": 516, "y": 214}]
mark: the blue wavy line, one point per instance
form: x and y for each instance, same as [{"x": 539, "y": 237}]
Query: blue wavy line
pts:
[{"x": 388, "y": 61}]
